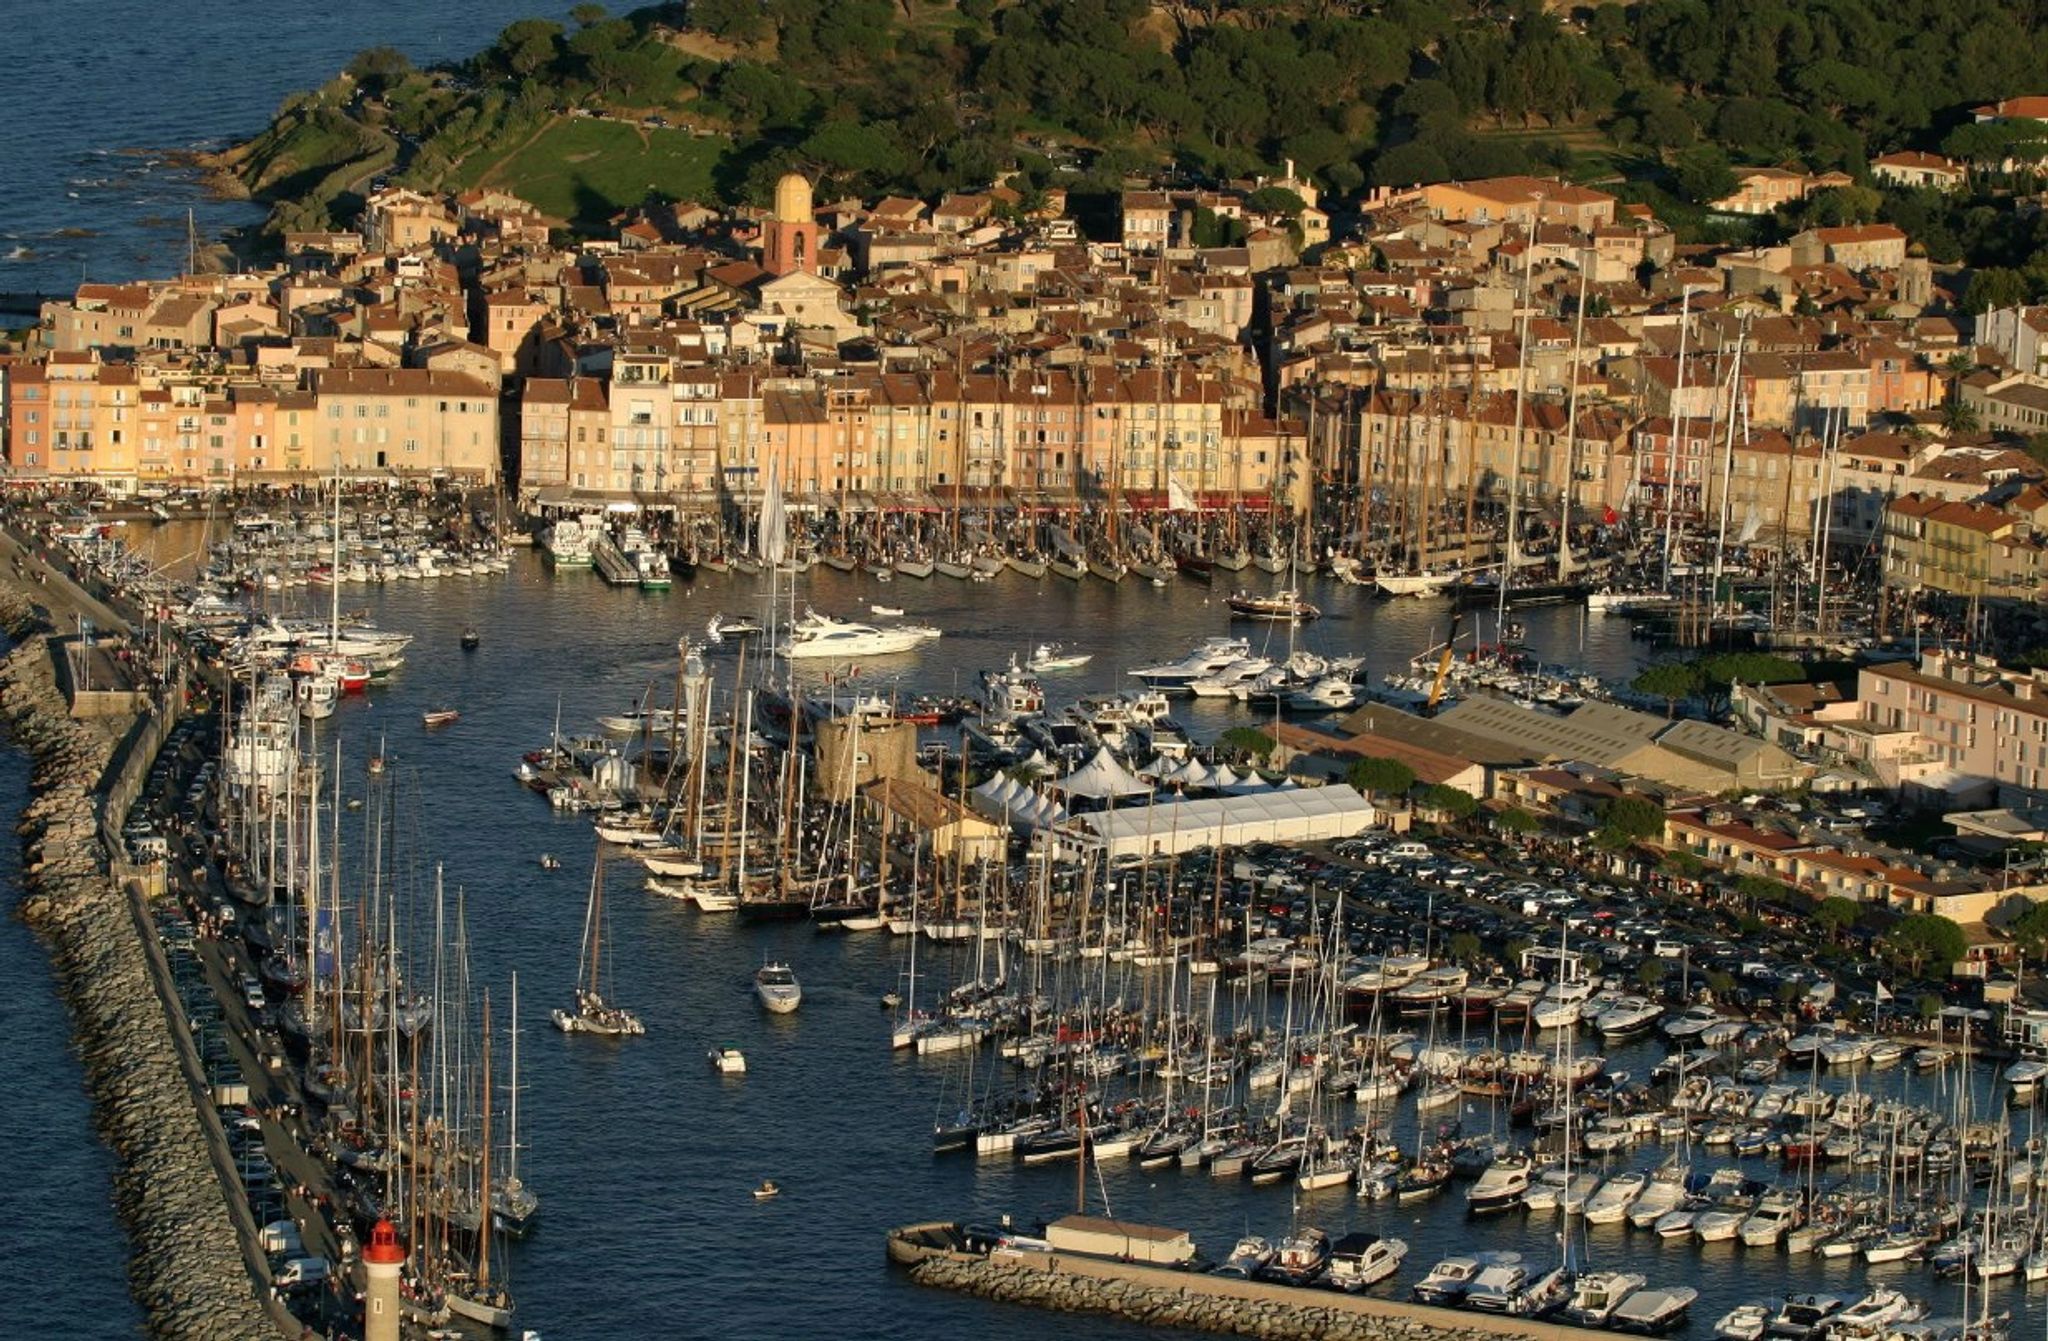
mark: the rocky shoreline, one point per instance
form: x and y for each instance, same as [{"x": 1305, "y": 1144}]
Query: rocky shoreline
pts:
[
  {"x": 1158, "y": 1306},
  {"x": 186, "y": 1267}
]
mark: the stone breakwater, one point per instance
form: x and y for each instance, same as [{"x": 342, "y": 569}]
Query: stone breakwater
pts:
[
  {"x": 186, "y": 1268},
  {"x": 1154, "y": 1298}
]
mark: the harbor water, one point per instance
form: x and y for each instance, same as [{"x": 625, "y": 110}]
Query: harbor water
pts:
[
  {"x": 645, "y": 1158},
  {"x": 112, "y": 87}
]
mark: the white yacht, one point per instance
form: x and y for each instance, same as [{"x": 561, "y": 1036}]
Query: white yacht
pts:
[
  {"x": 1449, "y": 1280},
  {"x": 1360, "y": 1259},
  {"x": 778, "y": 988},
  {"x": 1212, "y": 656},
  {"x": 1501, "y": 1185},
  {"x": 1616, "y": 1197},
  {"x": 821, "y": 637},
  {"x": 1561, "y": 1005},
  {"x": 567, "y": 543}
]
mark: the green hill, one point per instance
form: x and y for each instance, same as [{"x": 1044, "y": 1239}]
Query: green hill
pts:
[{"x": 926, "y": 96}]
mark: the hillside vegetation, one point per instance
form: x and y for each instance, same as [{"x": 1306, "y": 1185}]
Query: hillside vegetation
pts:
[{"x": 926, "y": 96}]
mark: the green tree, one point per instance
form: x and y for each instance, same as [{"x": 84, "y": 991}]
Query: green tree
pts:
[
  {"x": 588, "y": 14},
  {"x": 1925, "y": 939},
  {"x": 1275, "y": 200},
  {"x": 1375, "y": 776},
  {"x": 1516, "y": 822},
  {"x": 377, "y": 69},
  {"x": 1650, "y": 974},
  {"x": 1628, "y": 820},
  {"x": 1835, "y": 915},
  {"x": 1928, "y": 1007},
  {"x": 1682, "y": 864},
  {"x": 1457, "y": 804},
  {"x": 1464, "y": 948},
  {"x": 1670, "y": 681},
  {"x": 1992, "y": 287},
  {"x": 1719, "y": 982},
  {"x": 2029, "y": 931},
  {"x": 1703, "y": 173},
  {"x": 1245, "y": 742}
]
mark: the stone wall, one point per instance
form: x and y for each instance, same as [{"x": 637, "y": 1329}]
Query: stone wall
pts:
[{"x": 186, "y": 1267}]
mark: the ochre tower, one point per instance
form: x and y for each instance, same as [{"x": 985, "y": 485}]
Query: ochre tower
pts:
[{"x": 789, "y": 241}]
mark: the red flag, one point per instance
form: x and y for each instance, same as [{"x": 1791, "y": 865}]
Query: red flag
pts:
[{"x": 1610, "y": 516}]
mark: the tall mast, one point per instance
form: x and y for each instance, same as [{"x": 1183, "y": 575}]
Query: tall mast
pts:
[
  {"x": 1571, "y": 439},
  {"x": 483, "y": 1227},
  {"x": 1507, "y": 561},
  {"x": 1678, "y": 418},
  {"x": 1728, "y": 464}
]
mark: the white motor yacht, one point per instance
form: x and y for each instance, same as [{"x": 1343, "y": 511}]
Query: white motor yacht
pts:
[
  {"x": 1616, "y": 1196},
  {"x": 1449, "y": 1280},
  {"x": 1501, "y": 1185},
  {"x": 821, "y": 637},
  {"x": 1212, "y": 656},
  {"x": 778, "y": 988},
  {"x": 1359, "y": 1260}
]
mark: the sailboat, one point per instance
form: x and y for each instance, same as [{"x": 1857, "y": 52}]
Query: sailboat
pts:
[
  {"x": 514, "y": 1207},
  {"x": 475, "y": 1296},
  {"x": 593, "y": 1014}
]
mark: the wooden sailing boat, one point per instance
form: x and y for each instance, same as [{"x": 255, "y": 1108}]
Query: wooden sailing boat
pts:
[
  {"x": 593, "y": 1014},
  {"x": 478, "y": 1298}
]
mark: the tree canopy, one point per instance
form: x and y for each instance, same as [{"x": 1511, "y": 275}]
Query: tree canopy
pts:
[{"x": 1381, "y": 777}]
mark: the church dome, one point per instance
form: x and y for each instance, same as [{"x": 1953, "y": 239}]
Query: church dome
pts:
[{"x": 793, "y": 199}]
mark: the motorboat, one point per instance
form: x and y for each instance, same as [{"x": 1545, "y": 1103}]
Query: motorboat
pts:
[
  {"x": 1359, "y": 1260},
  {"x": 1596, "y": 1294},
  {"x": 1449, "y": 1280},
  {"x": 1611, "y": 1204},
  {"x": 440, "y": 717},
  {"x": 1690, "y": 1022},
  {"x": 1212, "y": 656},
  {"x": 1876, "y": 1314},
  {"x": 1805, "y": 1316},
  {"x": 722, "y": 626},
  {"x": 1249, "y": 1258},
  {"x": 1627, "y": 1017},
  {"x": 1495, "y": 1288},
  {"x": 821, "y": 637},
  {"x": 1653, "y": 1312},
  {"x": 728, "y": 1061},
  {"x": 768, "y": 1188},
  {"x": 1665, "y": 1189},
  {"x": 1051, "y": 657},
  {"x": 1302, "y": 1255},
  {"x": 1744, "y": 1322},
  {"x": 1502, "y": 1184},
  {"x": 778, "y": 988},
  {"x": 1780, "y": 1210}
]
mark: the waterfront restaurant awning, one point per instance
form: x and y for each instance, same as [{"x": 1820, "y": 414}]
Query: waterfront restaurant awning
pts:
[{"x": 1300, "y": 815}]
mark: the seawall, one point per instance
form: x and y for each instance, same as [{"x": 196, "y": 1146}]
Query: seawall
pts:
[
  {"x": 187, "y": 1266},
  {"x": 1159, "y": 1297}
]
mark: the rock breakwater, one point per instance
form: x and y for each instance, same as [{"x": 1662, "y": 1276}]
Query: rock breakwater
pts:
[
  {"x": 187, "y": 1269},
  {"x": 1167, "y": 1299}
]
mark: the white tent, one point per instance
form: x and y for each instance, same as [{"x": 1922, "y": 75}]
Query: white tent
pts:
[
  {"x": 1005, "y": 799},
  {"x": 1193, "y": 773},
  {"x": 1222, "y": 779},
  {"x": 1102, "y": 778},
  {"x": 1301, "y": 815}
]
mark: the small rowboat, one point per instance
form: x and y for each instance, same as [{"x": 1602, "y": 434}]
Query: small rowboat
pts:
[{"x": 440, "y": 717}]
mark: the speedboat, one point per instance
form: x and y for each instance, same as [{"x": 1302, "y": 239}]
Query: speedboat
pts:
[
  {"x": 728, "y": 1061},
  {"x": 778, "y": 988},
  {"x": 1050, "y": 657},
  {"x": 1496, "y": 1287},
  {"x": 1626, "y": 1018}
]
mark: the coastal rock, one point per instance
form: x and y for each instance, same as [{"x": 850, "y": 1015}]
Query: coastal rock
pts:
[{"x": 186, "y": 1269}]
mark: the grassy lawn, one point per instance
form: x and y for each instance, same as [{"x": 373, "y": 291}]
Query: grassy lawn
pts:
[{"x": 583, "y": 170}]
